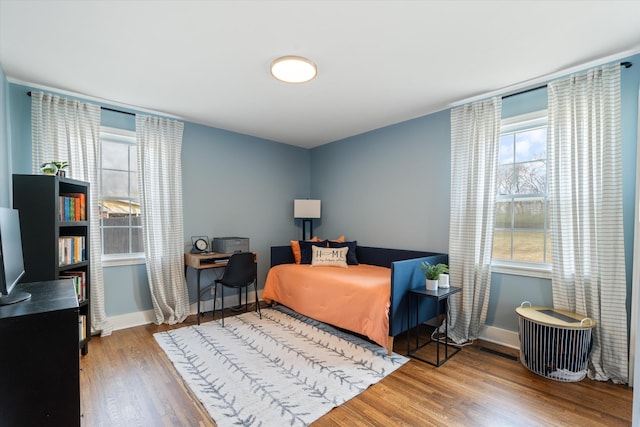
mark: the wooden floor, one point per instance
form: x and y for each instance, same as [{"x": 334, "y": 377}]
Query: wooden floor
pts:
[{"x": 126, "y": 380}]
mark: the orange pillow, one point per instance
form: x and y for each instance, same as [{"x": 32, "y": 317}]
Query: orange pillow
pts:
[{"x": 295, "y": 247}]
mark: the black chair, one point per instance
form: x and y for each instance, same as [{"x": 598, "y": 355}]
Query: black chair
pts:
[{"x": 240, "y": 272}]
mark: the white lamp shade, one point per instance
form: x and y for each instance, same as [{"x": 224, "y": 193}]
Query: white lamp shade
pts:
[{"x": 304, "y": 208}]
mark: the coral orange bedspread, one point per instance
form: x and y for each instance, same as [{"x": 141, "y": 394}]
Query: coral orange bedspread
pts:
[{"x": 354, "y": 298}]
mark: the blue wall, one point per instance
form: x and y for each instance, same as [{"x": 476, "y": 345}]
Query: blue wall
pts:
[
  {"x": 238, "y": 185},
  {"x": 391, "y": 187},
  {"x": 233, "y": 185},
  {"x": 388, "y": 187}
]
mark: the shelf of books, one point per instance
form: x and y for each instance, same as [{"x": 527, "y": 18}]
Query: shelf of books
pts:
[
  {"x": 79, "y": 279},
  {"x": 71, "y": 250},
  {"x": 55, "y": 236},
  {"x": 71, "y": 207}
]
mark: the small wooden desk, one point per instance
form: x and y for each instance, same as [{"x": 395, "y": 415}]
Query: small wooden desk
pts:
[{"x": 204, "y": 261}]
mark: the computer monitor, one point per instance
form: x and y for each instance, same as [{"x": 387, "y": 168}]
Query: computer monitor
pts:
[{"x": 11, "y": 257}]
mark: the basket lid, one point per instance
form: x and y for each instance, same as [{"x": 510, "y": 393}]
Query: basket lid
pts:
[{"x": 556, "y": 317}]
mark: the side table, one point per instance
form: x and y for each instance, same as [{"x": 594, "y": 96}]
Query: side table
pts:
[{"x": 415, "y": 295}]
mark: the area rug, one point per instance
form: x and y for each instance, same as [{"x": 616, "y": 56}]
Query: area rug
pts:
[{"x": 283, "y": 369}]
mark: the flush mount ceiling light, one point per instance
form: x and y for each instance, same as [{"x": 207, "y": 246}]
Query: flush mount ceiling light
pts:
[{"x": 293, "y": 69}]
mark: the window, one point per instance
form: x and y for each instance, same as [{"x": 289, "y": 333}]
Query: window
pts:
[
  {"x": 119, "y": 198},
  {"x": 521, "y": 235}
]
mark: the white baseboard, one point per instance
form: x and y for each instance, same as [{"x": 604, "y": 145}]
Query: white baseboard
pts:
[
  {"x": 500, "y": 336},
  {"x": 140, "y": 318},
  {"x": 131, "y": 320}
]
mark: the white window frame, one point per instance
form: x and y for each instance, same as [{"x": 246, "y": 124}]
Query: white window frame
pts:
[
  {"x": 113, "y": 260},
  {"x": 521, "y": 268}
]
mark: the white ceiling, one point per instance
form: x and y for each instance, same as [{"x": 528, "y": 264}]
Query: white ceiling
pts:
[{"x": 380, "y": 62}]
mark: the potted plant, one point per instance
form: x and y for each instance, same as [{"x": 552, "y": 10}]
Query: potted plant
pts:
[
  {"x": 49, "y": 168},
  {"x": 61, "y": 167},
  {"x": 432, "y": 273}
]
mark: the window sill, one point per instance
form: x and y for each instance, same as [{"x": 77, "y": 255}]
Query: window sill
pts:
[
  {"x": 120, "y": 260},
  {"x": 517, "y": 269}
]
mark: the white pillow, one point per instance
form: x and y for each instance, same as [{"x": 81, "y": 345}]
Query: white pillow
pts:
[{"x": 328, "y": 257}]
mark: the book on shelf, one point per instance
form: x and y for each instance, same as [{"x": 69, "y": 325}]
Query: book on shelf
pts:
[
  {"x": 82, "y": 327},
  {"x": 79, "y": 282},
  {"x": 71, "y": 250},
  {"x": 72, "y": 207}
]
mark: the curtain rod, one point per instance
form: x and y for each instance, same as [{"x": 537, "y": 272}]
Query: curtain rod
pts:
[
  {"x": 625, "y": 64},
  {"x": 105, "y": 108}
]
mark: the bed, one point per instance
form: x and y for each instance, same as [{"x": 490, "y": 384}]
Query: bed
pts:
[{"x": 369, "y": 299}]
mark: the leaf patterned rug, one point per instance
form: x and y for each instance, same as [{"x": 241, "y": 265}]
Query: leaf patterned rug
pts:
[{"x": 283, "y": 369}]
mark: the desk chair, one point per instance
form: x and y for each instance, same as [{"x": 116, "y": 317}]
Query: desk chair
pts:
[{"x": 240, "y": 272}]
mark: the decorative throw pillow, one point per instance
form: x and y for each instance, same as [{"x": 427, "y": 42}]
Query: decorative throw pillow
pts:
[
  {"x": 295, "y": 248},
  {"x": 305, "y": 249},
  {"x": 329, "y": 257},
  {"x": 351, "y": 255}
]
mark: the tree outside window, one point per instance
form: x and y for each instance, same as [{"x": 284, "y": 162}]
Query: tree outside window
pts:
[{"x": 521, "y": 231}]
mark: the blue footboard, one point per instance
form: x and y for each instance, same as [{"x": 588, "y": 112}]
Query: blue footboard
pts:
[{"x": 405, "y": 275}]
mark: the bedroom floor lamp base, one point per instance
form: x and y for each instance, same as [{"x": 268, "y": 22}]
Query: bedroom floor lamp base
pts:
[
  {"x": 304, "y": 228},
  {"x": 306, "y": 209}
]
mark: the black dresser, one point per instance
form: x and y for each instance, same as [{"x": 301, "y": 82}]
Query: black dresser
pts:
[{"x": 39, "y": 357}]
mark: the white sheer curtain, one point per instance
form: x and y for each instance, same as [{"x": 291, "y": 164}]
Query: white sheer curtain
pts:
[
  {"x": 69, "y": 130},
  {"x": 585, "y": 195},
  {"x": 159, "y": 144},
  {"x": 475, "y": 134}
]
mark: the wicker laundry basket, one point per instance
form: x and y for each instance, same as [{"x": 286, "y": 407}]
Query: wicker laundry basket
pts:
[{"x": 554, "y": 343}]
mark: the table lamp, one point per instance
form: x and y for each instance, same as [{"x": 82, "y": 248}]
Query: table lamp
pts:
[{"x": 306, "y": 210}]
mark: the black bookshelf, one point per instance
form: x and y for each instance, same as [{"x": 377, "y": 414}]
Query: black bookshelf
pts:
[{"x": 45, "y": 224}]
